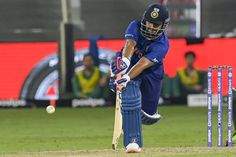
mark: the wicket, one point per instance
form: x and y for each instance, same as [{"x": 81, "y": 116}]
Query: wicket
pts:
[{"x": 220, "y": 104}]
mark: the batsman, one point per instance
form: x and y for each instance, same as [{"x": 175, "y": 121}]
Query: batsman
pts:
[{"x": 141, "y": 65}]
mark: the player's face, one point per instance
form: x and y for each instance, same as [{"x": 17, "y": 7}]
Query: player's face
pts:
[
  {"x": 151, "y": 26},
  {"x": 151, "y": 29}
]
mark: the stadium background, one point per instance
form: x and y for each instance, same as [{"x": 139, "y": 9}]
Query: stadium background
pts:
[
  {"x": 19, "y": 59},
  {"x": 30, "y": 37}
]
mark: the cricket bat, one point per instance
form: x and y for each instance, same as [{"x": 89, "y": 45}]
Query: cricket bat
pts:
[{"x": 118, "y": 117}]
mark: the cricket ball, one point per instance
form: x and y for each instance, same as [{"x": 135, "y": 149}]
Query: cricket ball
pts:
[{"x": 50, "y": 109}]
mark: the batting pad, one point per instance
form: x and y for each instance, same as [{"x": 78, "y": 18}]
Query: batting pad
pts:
[{"x": 131, "y": 108}]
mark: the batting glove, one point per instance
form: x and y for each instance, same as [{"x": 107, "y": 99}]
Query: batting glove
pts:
[
  {"x": 112, "y": 84},
  {"x": 123, "y": 81},
  {"x": 120, "y": 65}
]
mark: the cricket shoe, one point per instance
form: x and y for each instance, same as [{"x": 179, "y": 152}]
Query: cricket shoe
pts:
[
  {"x": 233, "y": 140},
  {"x": 133, "y": 148},
  {"x": 148, "y": 119}
]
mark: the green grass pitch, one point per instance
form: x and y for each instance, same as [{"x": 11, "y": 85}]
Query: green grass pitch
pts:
[{"x": 88, "y": 132}]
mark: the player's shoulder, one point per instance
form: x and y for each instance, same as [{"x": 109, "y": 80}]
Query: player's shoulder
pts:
[
  {"x": 135, "y": 22},
  {"x": 132, "y": 31},
  {"x": 161, "y": 41}
]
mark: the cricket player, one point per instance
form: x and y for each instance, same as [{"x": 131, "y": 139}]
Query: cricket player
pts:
[{"x": 141, "y": 66}]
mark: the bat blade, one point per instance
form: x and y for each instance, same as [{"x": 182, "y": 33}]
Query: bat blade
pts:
[
  {"x": 118, "y": 119},
  {"x": 117, "y": 123}
]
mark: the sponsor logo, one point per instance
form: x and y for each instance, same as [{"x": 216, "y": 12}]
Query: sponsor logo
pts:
[
  {"x": 129, "y": 35},
  {"x": 12, "y": 103},
  {"x": 209, "y": 135},
  {"x": 88, "y": 102}
]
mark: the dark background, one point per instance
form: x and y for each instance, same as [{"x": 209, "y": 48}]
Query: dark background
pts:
[{"x": 38, "y": 20}]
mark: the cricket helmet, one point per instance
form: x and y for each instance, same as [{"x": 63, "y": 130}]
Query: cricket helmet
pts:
[{"x": 158, "y": 15}]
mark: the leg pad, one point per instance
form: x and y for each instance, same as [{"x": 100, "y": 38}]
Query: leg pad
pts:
[{"x": 131, "y": 108}]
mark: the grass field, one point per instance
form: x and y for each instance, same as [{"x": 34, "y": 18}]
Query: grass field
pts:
[{"x": 87, "y": 132}]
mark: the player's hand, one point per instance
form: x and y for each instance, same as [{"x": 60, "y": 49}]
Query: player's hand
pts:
[
  {"x": 123, "y": 81},
  {"x": 112, "y": 84},
  {"x": 120, "y": 65}
]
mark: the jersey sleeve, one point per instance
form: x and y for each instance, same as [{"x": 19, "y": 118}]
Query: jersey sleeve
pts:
[
  {"x": 157, "y": 53},
  {"x": 132, "y": 31}
]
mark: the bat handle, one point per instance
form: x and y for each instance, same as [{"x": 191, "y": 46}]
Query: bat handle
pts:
[{"x": 118, "y": 87}]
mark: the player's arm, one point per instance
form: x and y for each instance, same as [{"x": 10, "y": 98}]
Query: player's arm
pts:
[
  {"x": 138, "y": 68},
  {"x": 121, "y": 64},
  {"x": 128, "y": 49}
]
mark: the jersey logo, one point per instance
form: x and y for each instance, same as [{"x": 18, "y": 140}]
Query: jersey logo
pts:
[
  {"x": 155, "y": 60},
  {"x": 138, "y": 53},
  {"x": 129, "y": 35},
  {"x": 155, "y": 13}
]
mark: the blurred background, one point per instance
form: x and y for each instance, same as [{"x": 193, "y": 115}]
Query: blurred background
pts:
[
  {"x": 43, "y": 43},
  {"x": 37, "y": 20}
]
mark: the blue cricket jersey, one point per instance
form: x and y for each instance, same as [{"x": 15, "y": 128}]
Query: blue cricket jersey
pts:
[{"x": 153, "y": 50}]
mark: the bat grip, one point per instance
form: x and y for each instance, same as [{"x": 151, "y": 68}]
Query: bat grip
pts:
[{"x": 118, "y": 86}]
